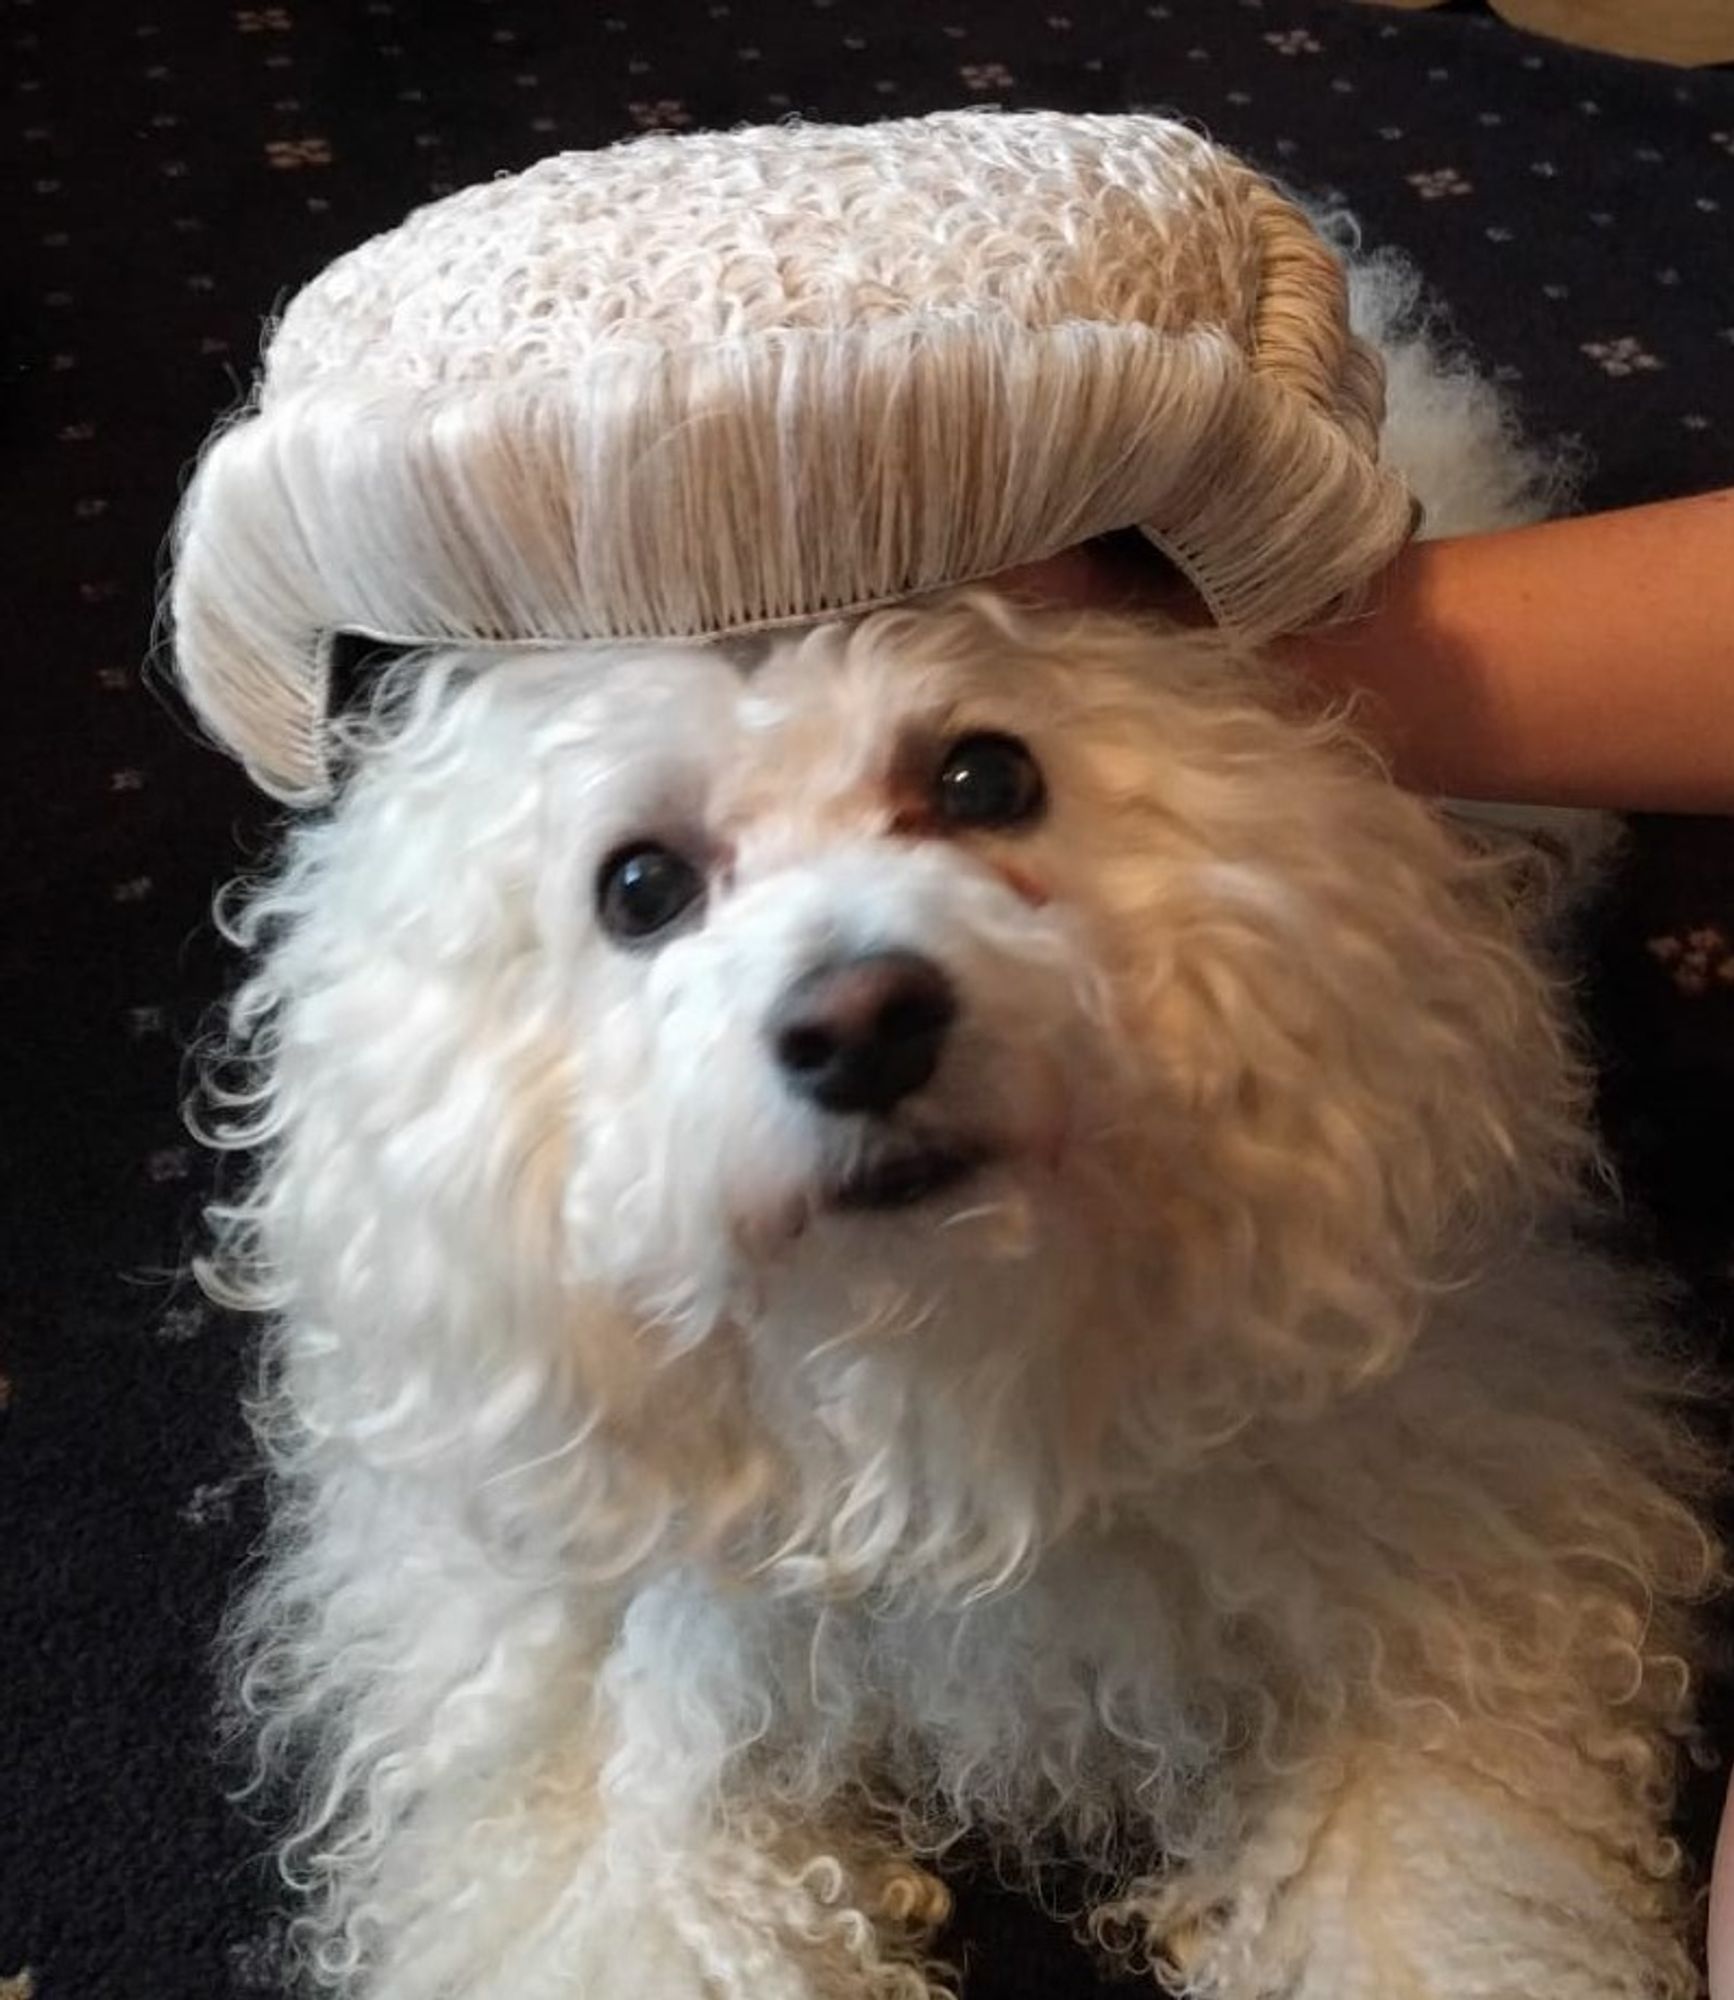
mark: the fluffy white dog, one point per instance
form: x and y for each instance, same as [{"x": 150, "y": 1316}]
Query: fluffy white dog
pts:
[{"x": 960, "y": 1223}]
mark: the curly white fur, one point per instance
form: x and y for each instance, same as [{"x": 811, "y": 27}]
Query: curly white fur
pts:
[{"x": 1244, "y": 1484}]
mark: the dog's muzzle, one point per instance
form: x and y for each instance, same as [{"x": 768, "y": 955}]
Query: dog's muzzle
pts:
[{"x": 859, "y": 1035}]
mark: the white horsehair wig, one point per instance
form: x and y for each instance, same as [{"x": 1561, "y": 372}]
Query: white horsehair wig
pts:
[{"x": 726, "y": 381}]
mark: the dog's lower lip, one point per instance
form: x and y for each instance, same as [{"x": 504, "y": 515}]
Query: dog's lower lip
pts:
[{"x": 904, "y": 1180}]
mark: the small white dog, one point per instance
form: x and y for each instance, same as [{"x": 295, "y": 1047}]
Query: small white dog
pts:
[{"x": 962, "y": 1223}]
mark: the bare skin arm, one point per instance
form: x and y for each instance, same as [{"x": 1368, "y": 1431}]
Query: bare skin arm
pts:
[
  {"x": 1721, "y": 1938},
  {"x": 1580, "y": 662}
]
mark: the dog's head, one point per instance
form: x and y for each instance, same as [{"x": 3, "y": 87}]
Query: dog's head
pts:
[{"x": 982, "y": 989}]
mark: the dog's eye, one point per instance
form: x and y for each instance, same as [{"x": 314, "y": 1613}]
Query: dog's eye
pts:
[
  {"x": 642, "y": 890},
  {"x": 989, "y": 780}
]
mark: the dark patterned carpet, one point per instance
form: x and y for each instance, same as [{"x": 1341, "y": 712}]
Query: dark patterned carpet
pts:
[{"x": 179, "y": 167}]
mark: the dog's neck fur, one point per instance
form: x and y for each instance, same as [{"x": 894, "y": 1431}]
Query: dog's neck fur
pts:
[{"x": 1413, "y": 1561}]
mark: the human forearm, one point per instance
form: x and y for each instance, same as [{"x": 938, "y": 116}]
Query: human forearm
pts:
[
  {"x": 1579, "y": 662},
  {"x": 1582, "y": 662}
]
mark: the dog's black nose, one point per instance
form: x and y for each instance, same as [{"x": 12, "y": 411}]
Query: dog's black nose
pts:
[{"x": 862, "y": 1034}]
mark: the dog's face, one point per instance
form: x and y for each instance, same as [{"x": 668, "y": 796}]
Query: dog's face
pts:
[{"x": 992, "y": 978}]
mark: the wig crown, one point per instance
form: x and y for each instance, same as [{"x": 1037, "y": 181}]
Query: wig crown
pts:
[{"x": 696, "y": 385}]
